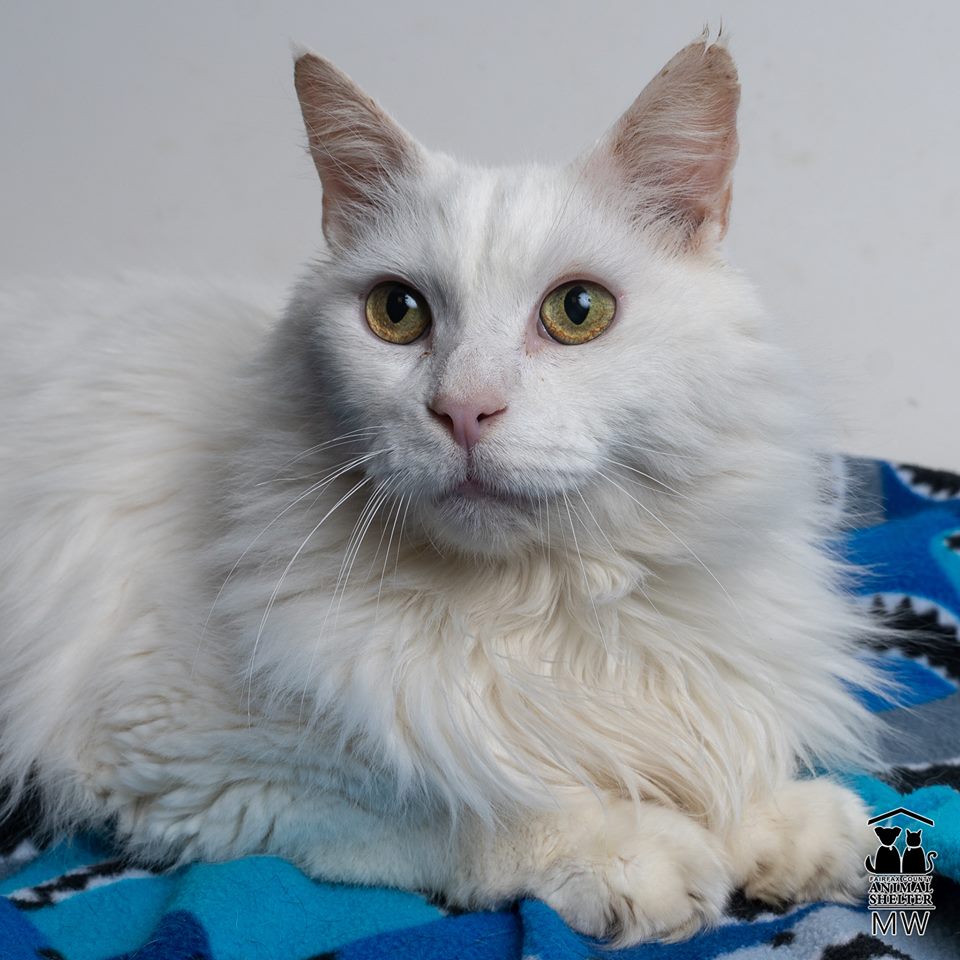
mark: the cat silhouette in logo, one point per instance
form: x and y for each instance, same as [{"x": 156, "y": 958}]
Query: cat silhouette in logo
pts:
[
  {"x": 887, "y": 857},
  {"x": 913, "y": 861}
]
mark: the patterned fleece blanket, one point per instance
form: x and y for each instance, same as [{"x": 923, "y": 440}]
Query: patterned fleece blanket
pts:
[{"x": 73, "y": 900}]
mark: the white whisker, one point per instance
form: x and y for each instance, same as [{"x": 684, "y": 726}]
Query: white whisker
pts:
[
  {"x": 403, "y": 522},
  {"x": 362, "y": 433},
  {"x": 318, "y": 488},
  {"x": 286, "y": 570},
  {"x": 586, "y": 582},
  {"x": 386, "y": 556}
]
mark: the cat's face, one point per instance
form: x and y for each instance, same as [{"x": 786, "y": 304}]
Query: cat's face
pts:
[
  {"x": 482, "y": 250},
  {"x": 489, "y": 426},
  {"x": 914, "y": 838}
]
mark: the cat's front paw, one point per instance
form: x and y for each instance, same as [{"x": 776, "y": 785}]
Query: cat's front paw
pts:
[
  {"x": 805, "y": 842},
  {"x": 644, "y": 873}
]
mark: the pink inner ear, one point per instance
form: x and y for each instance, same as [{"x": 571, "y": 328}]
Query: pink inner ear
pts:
[
  {"x": 677, "y": 143},
  {"x": 355, "y": 146}
]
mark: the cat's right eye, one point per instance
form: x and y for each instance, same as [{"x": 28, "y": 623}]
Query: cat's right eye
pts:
[
  {"x": 577, "y": 312},
  {"x": 397, "y": 313}
]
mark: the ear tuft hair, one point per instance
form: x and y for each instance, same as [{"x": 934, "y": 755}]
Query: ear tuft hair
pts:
[{"x": 675, "y": 147}]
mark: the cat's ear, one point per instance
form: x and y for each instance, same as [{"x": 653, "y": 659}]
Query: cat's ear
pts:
[
  {"x": 357, "y": 149},
  {"x": 675, "y": 147}
]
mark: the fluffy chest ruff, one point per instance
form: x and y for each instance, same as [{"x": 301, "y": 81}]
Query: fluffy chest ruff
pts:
[{"x": 497, "y": 685}]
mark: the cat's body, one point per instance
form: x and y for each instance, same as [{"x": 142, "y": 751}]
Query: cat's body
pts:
[{"x": 582, "y": 641}]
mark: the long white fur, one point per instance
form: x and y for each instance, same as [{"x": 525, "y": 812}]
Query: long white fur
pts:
[{"x": 237, "y": 615}]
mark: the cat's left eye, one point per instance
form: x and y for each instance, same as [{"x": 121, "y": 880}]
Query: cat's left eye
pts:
[
  {"x": 397, "y": 313},
  {"x": 578, "y": 311}
]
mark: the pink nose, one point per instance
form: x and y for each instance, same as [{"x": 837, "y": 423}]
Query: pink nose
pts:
[{"x": 465, "y": 420}]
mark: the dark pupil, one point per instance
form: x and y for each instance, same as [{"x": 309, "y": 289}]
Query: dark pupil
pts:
[
  {"x": 577, "y": 304},
  {"x": 399, "y": 301}
]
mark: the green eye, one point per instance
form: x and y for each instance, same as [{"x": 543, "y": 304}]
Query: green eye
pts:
[
  {"x": 577, "y": 311},
  {"x": 397, "y": 313}
]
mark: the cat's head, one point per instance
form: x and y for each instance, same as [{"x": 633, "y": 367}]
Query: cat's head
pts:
[
  {"x": 532, "y": 345},
  {"x": 914, "y": 838}
]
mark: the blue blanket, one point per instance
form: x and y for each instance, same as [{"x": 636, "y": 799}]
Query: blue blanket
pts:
[{"x": 73, "y": 900}]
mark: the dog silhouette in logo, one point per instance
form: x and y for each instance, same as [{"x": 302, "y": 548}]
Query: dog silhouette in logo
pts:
[
  {"x": 913, "y": 861},
  {"x": 887, "y": 857}
]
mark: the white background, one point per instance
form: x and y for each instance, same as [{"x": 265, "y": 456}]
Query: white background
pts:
[{"x": 166, "y": 137}]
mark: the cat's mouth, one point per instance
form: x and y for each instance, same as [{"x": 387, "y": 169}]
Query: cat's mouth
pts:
[{"x": 474, "y": 490}]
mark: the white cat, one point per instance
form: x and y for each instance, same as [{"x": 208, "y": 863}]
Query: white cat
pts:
[{"x": 496, "y": 567}]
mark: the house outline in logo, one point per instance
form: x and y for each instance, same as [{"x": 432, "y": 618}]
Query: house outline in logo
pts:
[
  {"x": 905, "y": 812},
  {"x": 903, "y": 893}
]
